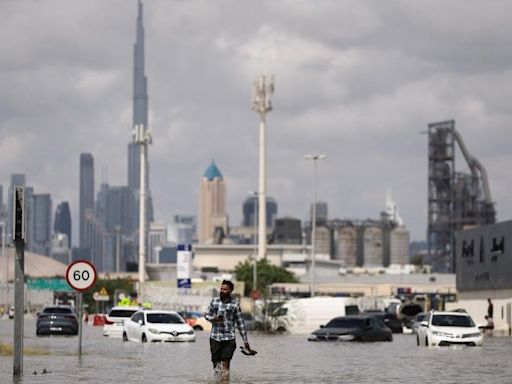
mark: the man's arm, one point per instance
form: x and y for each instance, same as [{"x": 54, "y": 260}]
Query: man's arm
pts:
[
  {"x": 241, "y": 326},
  {"x": 210, "y": 311}
]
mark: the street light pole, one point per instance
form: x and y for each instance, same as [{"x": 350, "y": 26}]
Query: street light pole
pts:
[
  {"x": 255, "y": 260},
  {"x": 142, "y": 137},
  {"x": 313, "y": 223},
  {"x": 4, "y": 260},
  {"x": 263, "y": 87}
]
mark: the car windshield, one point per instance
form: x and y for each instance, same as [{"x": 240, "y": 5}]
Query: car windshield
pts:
[
  {"x": 420, "y": 316},
  {"x": 378, "y": 315},
  {"x": 121, "y": 313},
  {"x": 58, "y": 310},
  {"x": 452, "y": 321},
  {"x": 345, "y": 323},
  {"x": 164, "y": 318}
]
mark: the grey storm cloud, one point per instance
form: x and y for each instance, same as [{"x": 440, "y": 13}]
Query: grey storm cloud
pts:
[{"x": 356, "y": 80}]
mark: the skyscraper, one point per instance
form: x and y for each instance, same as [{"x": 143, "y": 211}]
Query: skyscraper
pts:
[
  {"x": 321, "y": 212},
  {"x": 86, "y": 199},
  {"x": 212, "y": 204},
  {"x": 39, "y": 231},
  {"x": 250, "y": 211},
  {"x": 140, "y": 117},
  {"x": 62, "y": 221}
]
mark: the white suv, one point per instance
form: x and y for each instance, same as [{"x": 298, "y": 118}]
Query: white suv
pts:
[{"x": 448, "y": 328}]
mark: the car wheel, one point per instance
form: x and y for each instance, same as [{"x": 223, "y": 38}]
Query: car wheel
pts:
[
  {"x": 125, "y": 337},
  {"x": 198, "y": 328},
  {"x": 426, "y": 341},
  {"x": 144, "y": 338},
  {"x": 390, "y": 338},
  {"x": 281, "y": 330},
  {"x": 417, "y": 340}
]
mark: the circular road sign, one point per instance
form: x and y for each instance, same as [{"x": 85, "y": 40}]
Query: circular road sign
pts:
[{"x": 81, "y": 275}]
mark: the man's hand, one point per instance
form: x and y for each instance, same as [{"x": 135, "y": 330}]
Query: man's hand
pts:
[{"x": 218, "y": 319}]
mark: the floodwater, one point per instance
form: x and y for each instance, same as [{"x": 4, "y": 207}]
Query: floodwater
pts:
[{"x": 280, "y": 359}]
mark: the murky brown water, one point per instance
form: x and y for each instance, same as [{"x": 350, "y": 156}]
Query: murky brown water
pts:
[{"x": 281, "y": 359}]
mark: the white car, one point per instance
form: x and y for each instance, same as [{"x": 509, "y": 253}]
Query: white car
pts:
[
  {"x": 152, "y": 325},
  {"x": 448, "y": 328},
  {"x": 115, "y": 319}
]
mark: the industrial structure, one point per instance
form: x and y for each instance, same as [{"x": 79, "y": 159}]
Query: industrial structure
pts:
[{"x": 456, "y": 200}]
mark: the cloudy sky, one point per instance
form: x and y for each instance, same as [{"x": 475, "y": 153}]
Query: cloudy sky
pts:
[{"x": 356, "y": 80}]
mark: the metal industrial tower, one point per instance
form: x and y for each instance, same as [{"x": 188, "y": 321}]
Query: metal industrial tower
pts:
[{"x": 456, "y": 200}]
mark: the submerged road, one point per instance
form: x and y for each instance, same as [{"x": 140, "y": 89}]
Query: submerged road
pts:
[{"x": 280, "y": 359}]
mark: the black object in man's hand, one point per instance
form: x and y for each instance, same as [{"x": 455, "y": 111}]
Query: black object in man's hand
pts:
[{"x": 248, "y": 351}]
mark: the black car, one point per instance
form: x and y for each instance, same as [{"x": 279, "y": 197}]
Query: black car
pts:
[
  {"x": 390, "y": 319},
  {"x": 352, "y": 328},
  {"x": 57, "y": 320}
]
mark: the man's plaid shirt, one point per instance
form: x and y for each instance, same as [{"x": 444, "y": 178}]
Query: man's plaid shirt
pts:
[{"x": 225, "y": 330}]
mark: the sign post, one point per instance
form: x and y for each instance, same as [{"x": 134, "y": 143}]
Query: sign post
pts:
[
  {"x": 184, "y": 265},
  {"x": 80, "y": 275},
  {"x": 19, "y": 276}
]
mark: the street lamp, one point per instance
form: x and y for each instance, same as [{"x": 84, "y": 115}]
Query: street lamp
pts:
[{"x": 313, "y": 223}]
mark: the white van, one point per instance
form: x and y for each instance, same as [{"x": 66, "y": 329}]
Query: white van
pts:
[{"x": 302, "y": 316}]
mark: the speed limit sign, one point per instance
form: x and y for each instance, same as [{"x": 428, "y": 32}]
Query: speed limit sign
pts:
[{"x": 81, "y": 275}]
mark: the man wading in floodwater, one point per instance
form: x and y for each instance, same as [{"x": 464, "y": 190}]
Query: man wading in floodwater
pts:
[{"x": 224, "y": 313}]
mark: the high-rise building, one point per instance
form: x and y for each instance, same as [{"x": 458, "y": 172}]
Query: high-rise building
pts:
[
  {"x": 86, "y": 199},
  {"x": 140, "y": 117},
  {"x": 62, "y": 221},
  {"x": 182, "y": 230},
  {"x": 321, "y": 212},
  {"x": 212, "y": 203},
  {"x": 39, "y": 231},
  {"x": 17, "y": 180},
  {"x": 250, "y": 211}
]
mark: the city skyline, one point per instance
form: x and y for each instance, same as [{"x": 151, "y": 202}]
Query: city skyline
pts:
[{"x": 360, "y": 89}]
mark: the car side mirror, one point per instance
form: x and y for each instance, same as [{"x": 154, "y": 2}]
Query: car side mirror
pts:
[
  {"x": 322, "y": 326},
  {"x": 424, "y": 323},
  {"x": 140, "y": 322}
]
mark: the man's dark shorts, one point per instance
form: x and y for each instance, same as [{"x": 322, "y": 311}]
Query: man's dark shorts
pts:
[{"x": 222, "y": 350}]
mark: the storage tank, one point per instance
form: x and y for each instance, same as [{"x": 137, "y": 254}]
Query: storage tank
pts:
[
  {"x": 346, "y": 246},
  {"x": 399, "y": 246},
  {"x": 372, "y": 247}
]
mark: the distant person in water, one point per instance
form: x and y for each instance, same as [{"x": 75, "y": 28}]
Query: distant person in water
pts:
[
  {"x": 225, "y": 314},
  {"x": 490, "y": 309}
]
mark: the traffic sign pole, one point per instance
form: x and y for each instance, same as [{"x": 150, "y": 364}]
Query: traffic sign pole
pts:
[
  {"x": 80, "y": 275},
  {"x": 19, "y": 277},
  {"x": 80, "y": 316}
]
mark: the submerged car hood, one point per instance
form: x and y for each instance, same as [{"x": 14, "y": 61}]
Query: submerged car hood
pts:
[
  {"x": 455, "y": 330},
  {"x": 337, "y": 331},
  {"x": 169, "y": 327}
]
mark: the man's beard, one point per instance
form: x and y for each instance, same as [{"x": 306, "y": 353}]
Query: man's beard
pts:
[{"x": 224, "y": 295}]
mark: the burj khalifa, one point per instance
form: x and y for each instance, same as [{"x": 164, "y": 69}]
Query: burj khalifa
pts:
[{"x": 140, "y": 117}]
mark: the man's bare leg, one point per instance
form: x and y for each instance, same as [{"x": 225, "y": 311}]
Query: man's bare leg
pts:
[{"x": 224, "y": 373}]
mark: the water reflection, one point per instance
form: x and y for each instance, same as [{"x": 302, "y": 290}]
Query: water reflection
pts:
[{"x": 285, "y": 359}]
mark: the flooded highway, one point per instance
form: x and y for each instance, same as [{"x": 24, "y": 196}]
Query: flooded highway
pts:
[{"x": 280, "y": 359}]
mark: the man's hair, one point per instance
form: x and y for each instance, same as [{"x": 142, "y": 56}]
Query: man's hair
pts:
[{"x": 228, "y": 283}]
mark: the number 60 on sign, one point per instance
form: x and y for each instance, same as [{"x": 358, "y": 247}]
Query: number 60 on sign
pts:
[{"x": 81, "y": 275}]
